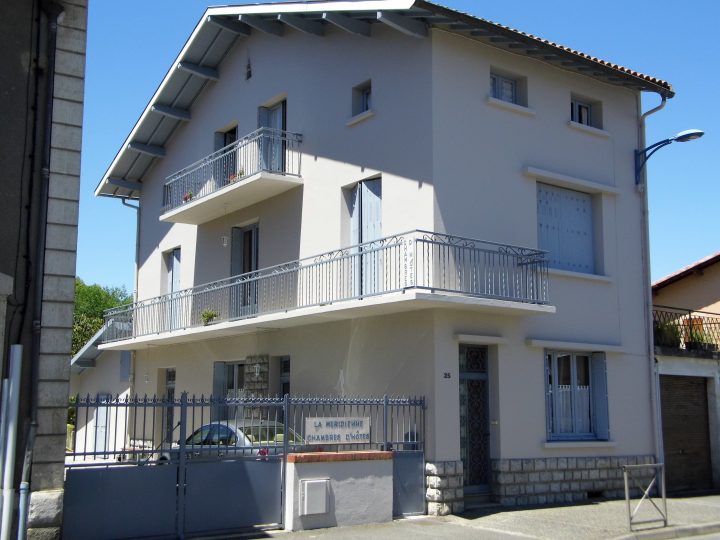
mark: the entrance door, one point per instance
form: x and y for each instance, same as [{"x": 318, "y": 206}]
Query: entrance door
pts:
[
  {"x": 243, "y": 261},
  {"x": 366, "y": 226},
  {"x": 474, "y": 425},
  {"x": 272, "y": 143},
  {"x": 169, "y": 425}
]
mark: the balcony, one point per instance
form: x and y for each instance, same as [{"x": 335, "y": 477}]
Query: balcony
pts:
[
  {"x": 259, "y": 166},
  {"x": 692, "y": 332},
  {"x": 404, "y": 272}
]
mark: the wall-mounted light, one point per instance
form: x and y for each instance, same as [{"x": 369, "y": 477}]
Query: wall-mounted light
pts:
[{"x": 224, "y": 240}]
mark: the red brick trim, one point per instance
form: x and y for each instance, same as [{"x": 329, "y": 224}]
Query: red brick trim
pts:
[{"x": 326, "y": 457}]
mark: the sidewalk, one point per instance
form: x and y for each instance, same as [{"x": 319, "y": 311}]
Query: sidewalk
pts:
[{"x": 688, "y": 516}]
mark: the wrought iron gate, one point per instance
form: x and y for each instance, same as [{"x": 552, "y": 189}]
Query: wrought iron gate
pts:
[{"x": 214, "y": 476}]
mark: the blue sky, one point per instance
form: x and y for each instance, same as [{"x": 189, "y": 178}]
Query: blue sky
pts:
[{"x": 132, "y": 43}]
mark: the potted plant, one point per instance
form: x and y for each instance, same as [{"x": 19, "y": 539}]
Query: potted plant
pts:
[
  {"x": 235, "y": 176},
  {"x": 698, "y": 340},
  {"x": 188, "y": 196},
  {"x": 208, "y": 316},
  {"x": 666, "y": 334}
]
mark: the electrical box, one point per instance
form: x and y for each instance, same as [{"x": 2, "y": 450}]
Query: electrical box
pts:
[{"x": 315, "y": 496}]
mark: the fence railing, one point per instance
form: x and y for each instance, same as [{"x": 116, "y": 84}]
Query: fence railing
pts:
[
  {"x": 266, "y": 149},
  {"x": 677, "y": 328},
  {"x": 139, "y": 430},
  {"x": 418, "y": 259}
]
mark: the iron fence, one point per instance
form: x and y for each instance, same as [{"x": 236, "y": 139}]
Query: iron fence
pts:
[
  {"x": 264, "y": 150},
  {"x": 141, "y": 430},
  {"x": 685, "y": 329},
  {"x": 418, "y": 259}
]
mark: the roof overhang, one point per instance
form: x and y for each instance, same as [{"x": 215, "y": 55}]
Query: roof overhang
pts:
[
  {"x": 198, "y": 63},
  {"x": 691, "y": 270}
]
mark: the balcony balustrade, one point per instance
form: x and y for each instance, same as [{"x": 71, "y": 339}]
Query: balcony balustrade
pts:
[
  {"x": 257, "y": 166},
  {"x": 419, "y": 260},
  {"x": 684, "y": 329}
]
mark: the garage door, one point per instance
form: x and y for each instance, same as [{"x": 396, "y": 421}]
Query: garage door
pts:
[{"x": 686, "y": 433}]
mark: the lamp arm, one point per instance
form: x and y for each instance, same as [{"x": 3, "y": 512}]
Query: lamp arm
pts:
[{"x": 641, "y": 156}]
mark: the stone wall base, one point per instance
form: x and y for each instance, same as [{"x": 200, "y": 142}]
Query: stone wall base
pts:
[
  {"x": 444, "y": 482},
  {"x": 520, "y": 482},
  {"x": 45, "y": 514}
]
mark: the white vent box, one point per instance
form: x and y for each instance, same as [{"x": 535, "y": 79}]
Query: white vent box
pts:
[{"x": 315, "y": 496}]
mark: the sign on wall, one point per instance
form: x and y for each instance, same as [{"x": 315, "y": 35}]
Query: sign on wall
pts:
[{"x": 334, "y": 430}]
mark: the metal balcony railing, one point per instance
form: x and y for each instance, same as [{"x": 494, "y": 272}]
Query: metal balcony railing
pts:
[
  {"x": 677, "y": 328},
  {"x": 414, "y": 260},
  {"x": 264, "y": 150}
]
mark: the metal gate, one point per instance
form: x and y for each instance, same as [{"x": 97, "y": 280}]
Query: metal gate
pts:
[{"x": 214, "y": 476}]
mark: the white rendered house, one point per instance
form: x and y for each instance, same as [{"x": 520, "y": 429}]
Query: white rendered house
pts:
[{"x": 392, "y": 197}]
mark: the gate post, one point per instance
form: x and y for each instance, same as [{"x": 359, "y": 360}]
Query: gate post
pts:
[
  {"x": 283, "y": 463},
  {"x": 181, "y": 467},
  {"x": 385, "y": 422}
]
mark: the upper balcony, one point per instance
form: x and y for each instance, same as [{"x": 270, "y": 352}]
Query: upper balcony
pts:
[
  {"x": 404, "y": 272},
  {"x": 687, "y": 332},
  {"x": 261, "y": 165}
]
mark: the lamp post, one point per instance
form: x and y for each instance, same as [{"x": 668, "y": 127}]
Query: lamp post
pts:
[{"x": 641, "y": 156}]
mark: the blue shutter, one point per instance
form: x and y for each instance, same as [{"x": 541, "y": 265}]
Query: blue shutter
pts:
[
  {"x": 371, "y": 229},
  {"x": 125, "y": 360},
  {"x": 565, "y": 228},
  {"x": 548, "y": 397},
  {"x": 598, "y": 384}
]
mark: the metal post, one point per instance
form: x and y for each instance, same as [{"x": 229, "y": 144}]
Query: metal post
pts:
[
  {"x": 627, "y": 498},
  {"x": 8, "y": 489},
  {"x": 662, "y": 488},
  {"x": 385, "y": 422},
  {"x": 181, "y": 468}
]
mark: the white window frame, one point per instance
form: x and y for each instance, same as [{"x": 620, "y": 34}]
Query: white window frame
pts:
[
  {"x": 581, "y": 112},
  {"x": 597, "y": 397}
]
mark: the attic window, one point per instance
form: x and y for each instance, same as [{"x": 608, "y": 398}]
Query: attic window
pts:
[{"x": 362, "y": 98}]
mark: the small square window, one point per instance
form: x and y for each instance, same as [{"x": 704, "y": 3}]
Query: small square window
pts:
[
  {"x": 362, "y": 98},
  {"x": 585, "y": 111},
  {"x": 504, "y": 88}
]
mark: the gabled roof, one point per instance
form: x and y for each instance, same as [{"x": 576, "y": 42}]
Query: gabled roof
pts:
[
  {"x": 687, "y": 271},
  {"x": 219, "y": 27}
]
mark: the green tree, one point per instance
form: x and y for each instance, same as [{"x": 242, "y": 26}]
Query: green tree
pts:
[{"x": 90, "y": 303}]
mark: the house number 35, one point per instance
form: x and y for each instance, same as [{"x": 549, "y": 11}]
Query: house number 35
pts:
[{"x": 446, "y": 375}]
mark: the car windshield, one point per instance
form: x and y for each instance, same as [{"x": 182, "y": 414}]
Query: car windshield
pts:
[
  {"x": 269, "y": 434},
  {"x": 213, "y": 434}
]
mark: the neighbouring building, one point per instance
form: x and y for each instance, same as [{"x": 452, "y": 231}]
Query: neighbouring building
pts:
[
  {"x": 393, "y": 197},
  {"x": 42, "y": 72},
  {"x": 686, "y": 317}
]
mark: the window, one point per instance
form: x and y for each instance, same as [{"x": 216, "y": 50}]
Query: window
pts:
[
  {"x": 576, "y": 395},
  {"x": 362, "y": 98},
  {"x": 565, "y": 228},
  {"x": 586, "y": 111},
  {"x": 503, "y": 88}
]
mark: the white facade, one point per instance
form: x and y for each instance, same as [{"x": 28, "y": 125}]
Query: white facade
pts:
[{"x": 451, "y": 159}]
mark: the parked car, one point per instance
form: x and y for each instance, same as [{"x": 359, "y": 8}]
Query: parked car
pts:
[{"x": 222, "y": 438}]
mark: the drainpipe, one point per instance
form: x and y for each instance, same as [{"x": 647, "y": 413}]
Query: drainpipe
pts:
[
  {"x": 8, "y": 473},
  {"x": 133, "y": 357},
  {"x": 52, "y": 12},
  {"x": 645, "y": 254}
]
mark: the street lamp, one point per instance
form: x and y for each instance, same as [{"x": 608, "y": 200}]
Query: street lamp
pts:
[{"x": 641, "y": 156}]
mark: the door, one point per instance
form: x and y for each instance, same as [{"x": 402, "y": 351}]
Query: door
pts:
[
  {"x": 102, "y": 422},
  {"x": 272, "y": 142},
  {"x": 366, "y": 226},
  {"x": 474, "y": 424},
  {"x": 686, "y": 433},
  {"x": 243, "y": 262},
  {"x": 225, "y": 168},
  {"x": 169, "y": 424},
  {"x": 174, "y": 313}
]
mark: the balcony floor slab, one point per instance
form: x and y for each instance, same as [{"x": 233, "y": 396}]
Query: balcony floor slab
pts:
[
  {"x": 385, "y": 304},
  {"x": 241, "y": 194}
]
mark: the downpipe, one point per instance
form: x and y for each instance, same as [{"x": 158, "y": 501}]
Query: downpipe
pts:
[
  {"x": 653, "y": 374},
  {"x": 52, "y": 12},
  {"x": 8, "y": 487}
]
